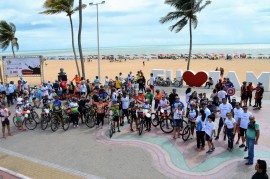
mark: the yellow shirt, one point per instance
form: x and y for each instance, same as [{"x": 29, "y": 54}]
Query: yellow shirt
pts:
[{"x": 117, "y": 84}]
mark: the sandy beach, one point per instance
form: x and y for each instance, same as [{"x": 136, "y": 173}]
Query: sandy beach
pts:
[{"x": 111, "y": 69}]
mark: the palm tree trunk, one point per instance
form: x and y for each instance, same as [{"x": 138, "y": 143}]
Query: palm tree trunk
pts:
[
  {"x": 190, "y": 44},
  {"x": 13, "y": 50},
  {"x": 73, "y": 47},
  {"x": 79, "y": 38}
]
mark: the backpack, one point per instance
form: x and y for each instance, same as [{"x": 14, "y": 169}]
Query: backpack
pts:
[{"x": 199, "y": 126}]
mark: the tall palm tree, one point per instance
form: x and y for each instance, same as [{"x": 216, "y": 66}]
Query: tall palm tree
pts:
[
  {"x": 79, "y": 38},
  {"x": 185, "y": 13},
  {"x": 59, "y": 6},
  {"x": 7, "y": 36}
]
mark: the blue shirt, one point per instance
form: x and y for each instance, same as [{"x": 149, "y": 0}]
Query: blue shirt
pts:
[
  {"x": 96, "y": 81},
  {"x": 175, "y": 105},
  {"x": 57, "y": 103}
]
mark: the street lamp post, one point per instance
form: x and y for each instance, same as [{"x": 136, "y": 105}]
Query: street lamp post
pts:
[{"x": 96, "y": 4}]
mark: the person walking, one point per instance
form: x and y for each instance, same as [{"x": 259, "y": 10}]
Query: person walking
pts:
[
  {"x": 253, "y": 134},
  {"x": 230, "y": 125},
  {"x": 243, "y": 123}
]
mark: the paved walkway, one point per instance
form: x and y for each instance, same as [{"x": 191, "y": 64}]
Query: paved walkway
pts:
[{"x": 89, "y": 153}]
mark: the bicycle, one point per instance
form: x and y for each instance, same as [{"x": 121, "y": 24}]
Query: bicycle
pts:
[
  {"x": 166, "y": 122},
  {"x": 142, "y": 122},
  {"x": 186, "y": 132},
  {"x": 46, "y": 118},
  {"x": 29, "y": 122},
  {"x": 58, "y": 118},
  {"x": 91, "y": 119}
]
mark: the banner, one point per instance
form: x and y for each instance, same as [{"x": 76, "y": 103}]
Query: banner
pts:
[{"x": 22, "y": 66}]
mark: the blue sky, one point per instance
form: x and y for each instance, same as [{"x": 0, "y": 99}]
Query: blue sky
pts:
[{"x": 136, "y": 23}]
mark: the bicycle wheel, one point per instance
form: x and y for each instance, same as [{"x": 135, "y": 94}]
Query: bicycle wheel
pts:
[
  {"x": 186, "y": 133},
  {"x": 184, "y": 124},
  {"x": 35, "y": 116},
  {"x": 90, "y": 121},
  {"x": 43, "y": 122},
  {"x": 15, "y": 121},
  {"x": 154, "y": 120},
  {"x": 66, "y": 123},
  {"x": 176, "y": 84},
  {"x": 141, "y": 127},
  {"x": 166, "y": 125},
  {"x": 54, "y": 124},
  {"x": 30, "y": 123},
  {"x": 111, "y": 129}
]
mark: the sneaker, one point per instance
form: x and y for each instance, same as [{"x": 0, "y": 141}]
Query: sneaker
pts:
[
  {"x": 254, "y": 106},
  {"x": 146, "y": 130},
  {"x": 77, "y": 126},
  {"x": 237, "y": 143},
  {"x": 97, "y": 126},
  {"x": 202, "y": 148},
  {"x": 118, "y": 130},
  {"x": 149, "y": 130},
  {"x": 245, "y": 149},
  {"x": 241, "y": 146},
  {"x": 249, "y": 163},
  {"x": 74, "y": 126},
  {"x": 191, "y": 137},
  {"x": 209, "y": 151},
  {"x": 10, "y": 134},
  {"x": 246, "y": 158},
  {"x": 213, "y": 149},
  {"x": 230, "y": 150},
  {"x": 100, "y": 127},
  {"x": 4, "y": 137},
  {"x": 198, "y": 149},
  {"x": 216, "y": 138}
]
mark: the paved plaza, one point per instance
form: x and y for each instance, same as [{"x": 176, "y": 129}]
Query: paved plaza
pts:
[{"x": 90, "y": 153}]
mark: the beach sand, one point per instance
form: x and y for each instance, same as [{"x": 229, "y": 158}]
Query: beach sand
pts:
[{"x": 111, "y": 69}]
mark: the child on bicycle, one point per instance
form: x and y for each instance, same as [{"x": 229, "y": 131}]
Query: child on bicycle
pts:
[
  {"x": 4, "y": 114},
  {"x": 116, "y": 113}
]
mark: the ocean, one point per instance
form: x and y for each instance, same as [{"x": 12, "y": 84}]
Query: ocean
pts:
[{"x": 254, "y": 50}]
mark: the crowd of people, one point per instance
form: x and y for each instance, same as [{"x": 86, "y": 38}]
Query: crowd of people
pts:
[{"x": 127, "y": 98}]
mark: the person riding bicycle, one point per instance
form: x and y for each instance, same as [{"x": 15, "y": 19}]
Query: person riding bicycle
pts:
[
  {"x": 163, "y": 104},
  {"x": 140, "y": 97},
  {"x": 116, "y": 113}
]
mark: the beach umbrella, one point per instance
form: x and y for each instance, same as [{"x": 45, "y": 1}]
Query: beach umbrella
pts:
[{"x": 153, "y": 54}]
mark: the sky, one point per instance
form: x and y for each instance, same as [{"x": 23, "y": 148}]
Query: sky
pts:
[{"x": 136, "y": 23}]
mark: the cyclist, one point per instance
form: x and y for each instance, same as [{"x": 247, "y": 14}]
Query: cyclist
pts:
[
  {"x": 192, "y": 114},
  {"x": 115, "y": 109},
  {"x": 74, "y": 112},
  {"x": 100, "y": 112},
  {"x": 82, "y": 107},
  {"x": 133, "y": 117},
  {"x": 149, "y": 95},
  {"x": 147, "y": 106},
  {"x": 140, "y": 97},
  {"x": 5, "y": 113},
  {"x": 172, "y": 98},
  {"x": 57, "y": 109},
  {"x": 157, "y": 98},
  {"x": 125, "y": 105}
]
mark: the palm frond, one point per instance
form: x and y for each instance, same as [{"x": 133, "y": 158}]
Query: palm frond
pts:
[
  {"x": 171, "y": 16},
  {"x": 51, "y": 11},
  {"x": 194, "y": 21},
  {"x": 179, "y": 25},
  {"x": 15, "y": 44},
  {"x": 4, "y": 45}
]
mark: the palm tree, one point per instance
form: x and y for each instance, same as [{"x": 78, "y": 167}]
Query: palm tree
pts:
[
  {"x": 59, "y": 6},
  {"x": 185, "y": 13},
  {"x": 7, "y": 36},
  {"x": 79, "y": 39}
]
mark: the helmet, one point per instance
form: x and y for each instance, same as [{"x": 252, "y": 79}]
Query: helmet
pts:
[
  {"x": 157, "y": 91},
  {"x": 174, "y": 89}
]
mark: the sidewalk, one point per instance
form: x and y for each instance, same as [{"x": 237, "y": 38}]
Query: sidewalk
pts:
[{"x": 29, "y": 169}]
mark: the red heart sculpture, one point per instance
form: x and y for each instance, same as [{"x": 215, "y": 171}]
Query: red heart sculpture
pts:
[{"x": 196, "y": 80}]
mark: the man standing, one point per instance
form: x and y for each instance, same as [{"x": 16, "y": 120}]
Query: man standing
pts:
[
  {"x": 243, "y": 94},
  {"x": 152, "y": 81},
  {"x": 243, "y": 123},
  {"x": 253, "y": 134},
  {"x": 258, "y": 96},
  {"x": 227, "y": 85},
  {"x": 223, "y": 108},
  {"x": 172, "y": 98}
]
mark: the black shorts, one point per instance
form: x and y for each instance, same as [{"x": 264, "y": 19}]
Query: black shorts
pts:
[
  {"x": 64, "y": 91},
  {"x": 116, "y": 118},
  {"x": 244, "y": 97},
  {"x": 207, "y": 138},
  {"x": 125, "y": 112},
  {"x": 243, "y": 132},
  {"x": 5, "y": 122},
  {"x": 3, "y": 92}
]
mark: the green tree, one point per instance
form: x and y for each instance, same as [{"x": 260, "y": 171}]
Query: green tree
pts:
[
  {"x": 185, "y": 13},
  {"x": 7, "y": 36},
  {"x": 79, "y": 39},
  {"x": 66, "y": 6}
]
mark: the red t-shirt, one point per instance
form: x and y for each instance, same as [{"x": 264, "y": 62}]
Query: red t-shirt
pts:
[{"x": 63, "y": 85}]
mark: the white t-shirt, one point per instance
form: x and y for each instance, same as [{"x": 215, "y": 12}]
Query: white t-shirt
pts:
[
  {"x": 177, "y": 114},
  {"x": 83, "y": 88},
  {"x": 244, "y": 119},
  {"x": 209, "y": 127},
  {"x": 198, "y": 119},
  {"x": 230, "y": 123},
  {"x": 125, "y": 102},
  {"x": 106, "y": 83},
  {"x": 164, "y": 104},
  {"x": 224, "y": 109},
  {"x": 187, "y": 97},
  {"x": 237, "y": 113},
  {"x": 44, "y": 90},
  {"x": 221, "y": 94},
  {"x": 207, "y": 113},
  {"x": 192, "y": 114},
  {"x": 152, "y": 80}
]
